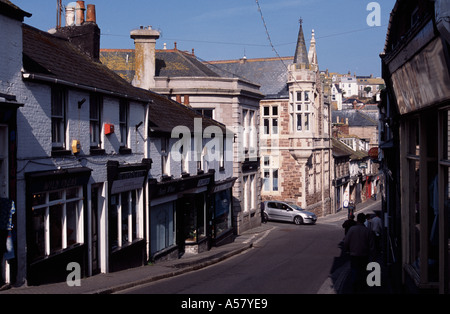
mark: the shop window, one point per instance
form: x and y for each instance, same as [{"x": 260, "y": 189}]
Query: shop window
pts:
[
  {"x": 57, "y": 221},
  {"x": 162, "y": 226},
  {"x": 125, "y": 224},
  {"x": 195, "y": 219},
  {"x": 222, "y": 211}
]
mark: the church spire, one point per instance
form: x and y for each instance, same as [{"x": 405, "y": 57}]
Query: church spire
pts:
[
  {"x": 301, "y": 55},
  {"x": 312, "y": 55}
]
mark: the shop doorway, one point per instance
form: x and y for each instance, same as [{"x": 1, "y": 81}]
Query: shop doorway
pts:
[{"x": 95, "y": 230}]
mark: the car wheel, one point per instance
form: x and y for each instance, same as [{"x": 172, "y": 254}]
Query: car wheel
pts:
[
  {"x": 266, "y": 217},
  {"x": 298, "y": 220}
]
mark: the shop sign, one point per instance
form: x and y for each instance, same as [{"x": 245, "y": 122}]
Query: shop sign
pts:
[{"x": 128, "y": 181}]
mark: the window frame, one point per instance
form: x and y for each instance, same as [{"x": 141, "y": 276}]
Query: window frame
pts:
[
  {"x": 47, "y": 206},
  {"x": 124, "y": 109},
  {"x": 59, "y": 97},
  {"x": 95, "y": 123}
]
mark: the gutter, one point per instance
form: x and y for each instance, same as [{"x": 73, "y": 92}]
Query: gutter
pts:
[{"x": 43, "y": 78}]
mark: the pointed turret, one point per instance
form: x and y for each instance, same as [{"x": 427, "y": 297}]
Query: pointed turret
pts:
[
  {"x": 301, "y": 54},
  {"x": 312, "y": 55}
]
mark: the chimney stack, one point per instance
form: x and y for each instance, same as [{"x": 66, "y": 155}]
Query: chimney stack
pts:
[
  {"x": 82, "y": 33},
  {"x": 145, "y": 56}
]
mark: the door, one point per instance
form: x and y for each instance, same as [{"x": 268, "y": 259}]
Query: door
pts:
[
  {"x": 94, "y": 230},
  {"x": 4, "y": 181}
]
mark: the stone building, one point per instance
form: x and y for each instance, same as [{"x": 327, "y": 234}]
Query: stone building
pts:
[
  {"x": 296, "y": 159},
  {"x": 233, "y": 101}
]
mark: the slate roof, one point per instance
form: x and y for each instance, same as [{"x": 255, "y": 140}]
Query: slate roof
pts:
[
  {"x": 270, "y": 73},
  {"x": 9, "y": 9},
  {"x": 50, "y": 58},
  {"x": 356, "y": 117},
  {"x": 169, "y": 63}
]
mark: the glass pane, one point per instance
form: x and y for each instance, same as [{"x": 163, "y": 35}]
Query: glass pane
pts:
[
  {"x": 266, "y": 111},
  {"x": 191, "y": 222},
  {"x": 162, "y": 227},
  {"x": 56, "y": 195},
  {"x": 72, "y": 193},
  {"x": 93, "y": 109},
  {"x": 274, "y": 126},
  {"x": 275, "y": 180},
  {"x": 38, "y": 224},
  {"x": 415, "y": 215},
  {"x": 125, "y": 214},
  {"x": 275, "y": 110},
  {"x": 446, "y": 137},
  {"x": 414, "y": 145},
  {"x": 134, "y": 223},
  {"x": 266, "y": 180},
  {"x": 72, "y": 222},
  {"x": 222, "y": 211},
  {"x": 55, "y": 228},
  {"x": 57, "y": 130},
  {"x": 299, "y": 122},
  {"x": 200, "y": 204},
  {"x": 38, "y": 199},
  {"x": 266, "y": 126},
  {"x": 94, "y": 132}
]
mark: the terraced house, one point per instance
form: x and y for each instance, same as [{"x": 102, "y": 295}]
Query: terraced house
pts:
[{"x": 99, "y": 173}]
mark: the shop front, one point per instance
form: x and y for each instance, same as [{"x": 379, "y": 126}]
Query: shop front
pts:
[
  {"x": 126, "y": 215},
  {"x": 180, "y": 220},
  {"x": 56, "y": 208},
  {"x": 221, "y": 212},
  {"x": 417, "y": 72}
]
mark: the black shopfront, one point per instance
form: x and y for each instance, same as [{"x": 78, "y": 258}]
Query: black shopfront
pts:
[
  {"x": 126, "y": 214},
  {"x": 56, "y": 209},
  {"x": 188, "y": 215}
]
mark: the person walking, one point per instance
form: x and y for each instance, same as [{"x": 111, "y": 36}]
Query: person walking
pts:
[
  {"x": 359, "y": 244},
  {"x": 377, "y": 227},
  {"x": 350, "y": 222}
]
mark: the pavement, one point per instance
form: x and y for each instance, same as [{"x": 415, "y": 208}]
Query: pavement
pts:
[{"x": 337, "y": 283}]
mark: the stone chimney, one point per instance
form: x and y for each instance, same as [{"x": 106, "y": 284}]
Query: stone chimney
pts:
[
  {"x": 82, "y": 32},
  {"x": 145, "y": 56}
]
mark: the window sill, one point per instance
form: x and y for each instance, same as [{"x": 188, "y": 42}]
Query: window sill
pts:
[
  {"x": 124, "y": 150},
  {"x": 60, "y": 152},
  {"x": 97, "y": 151}
]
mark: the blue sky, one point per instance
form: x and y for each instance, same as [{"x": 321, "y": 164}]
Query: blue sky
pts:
[{"x": 228, "y": 29}]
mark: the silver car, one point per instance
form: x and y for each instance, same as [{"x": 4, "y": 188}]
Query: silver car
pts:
[{"x": 283, "y": 211}]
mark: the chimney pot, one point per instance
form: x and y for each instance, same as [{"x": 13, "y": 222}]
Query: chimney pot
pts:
[
  {"x": 79, "y": 12},
  {"x": 175, "y": 45},
  {"x": 90, "y": 14}
]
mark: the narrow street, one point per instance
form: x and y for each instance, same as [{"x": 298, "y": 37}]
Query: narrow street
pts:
[{"x": 290, "y": 260}]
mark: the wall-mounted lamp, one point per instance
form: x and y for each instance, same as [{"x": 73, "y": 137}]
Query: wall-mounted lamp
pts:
[{"x": 81, "y": 102}]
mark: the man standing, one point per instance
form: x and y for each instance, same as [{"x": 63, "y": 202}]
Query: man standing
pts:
[
  {"x": 377, "y": 227},
  {"x": 359, "y": 243}
]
